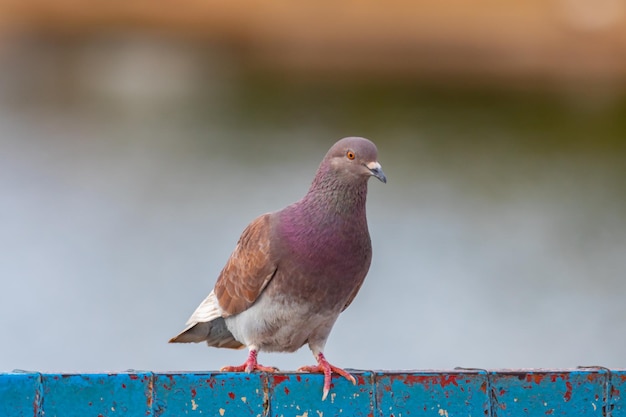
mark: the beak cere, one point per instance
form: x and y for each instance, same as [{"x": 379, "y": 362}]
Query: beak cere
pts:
[{"x": 377, "y": 171}]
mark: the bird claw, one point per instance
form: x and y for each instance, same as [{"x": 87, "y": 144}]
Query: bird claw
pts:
[
  {"x": 250, "y": 365},
  {"x": 246, "y": 367},
  {"x": 327, "y": 369}
]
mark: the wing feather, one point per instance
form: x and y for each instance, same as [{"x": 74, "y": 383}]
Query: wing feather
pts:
[
  {"x": 208, "y": 310},
  {"x": 248, "y": 270}
]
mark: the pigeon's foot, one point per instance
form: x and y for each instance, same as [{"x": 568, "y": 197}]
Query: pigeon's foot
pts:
[
  {"x": 250, "y": 365},
  {"x": 327, "y": 369}
]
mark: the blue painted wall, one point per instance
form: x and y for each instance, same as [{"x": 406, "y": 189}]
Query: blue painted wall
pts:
[{"x": 581, "y": 392}]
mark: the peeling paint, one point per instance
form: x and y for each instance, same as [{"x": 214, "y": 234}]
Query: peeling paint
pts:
[
  {"x": 279, "y": 379},
  {"x": 441, "y": 394},
  {"x": 568, "y": 394},
  {"x": 534, "y": 377}
]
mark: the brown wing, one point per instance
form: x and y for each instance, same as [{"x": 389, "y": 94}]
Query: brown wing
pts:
[{"x": 248, "y": 270}]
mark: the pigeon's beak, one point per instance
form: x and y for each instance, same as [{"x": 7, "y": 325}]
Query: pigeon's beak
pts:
[{"x": 377, "y": 171}]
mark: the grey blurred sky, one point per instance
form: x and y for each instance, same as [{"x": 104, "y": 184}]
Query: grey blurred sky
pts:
[{"x": 129, "y": 166}]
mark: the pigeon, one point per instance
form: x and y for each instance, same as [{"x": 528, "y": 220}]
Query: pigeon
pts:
[{"x": 295, "y": 270}]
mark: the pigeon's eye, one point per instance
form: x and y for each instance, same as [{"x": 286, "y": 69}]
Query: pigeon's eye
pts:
[{"x": 350, "y": 155}]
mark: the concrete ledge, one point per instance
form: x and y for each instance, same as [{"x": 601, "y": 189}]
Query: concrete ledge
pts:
[{"x": 466, "y": 392}]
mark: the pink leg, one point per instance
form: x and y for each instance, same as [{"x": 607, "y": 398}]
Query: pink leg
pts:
[
  {"x": 250, "y": 365},
  {"x": 327, "y": 369}
]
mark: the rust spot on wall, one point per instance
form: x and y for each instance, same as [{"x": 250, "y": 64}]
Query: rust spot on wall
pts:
[
  {"x": 536, "y": 378},
  {"x": 450, "y": 379},
  {"x": 568, "y": 393},
  {"x": 279, "y": 379},
  {"x": 149, "y": 394},
  {"x": 36, "y": 402},
  {"x": 413, "y": 379}
]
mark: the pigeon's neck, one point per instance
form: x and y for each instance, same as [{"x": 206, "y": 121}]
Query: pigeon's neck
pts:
[
  {"x": 333, "y": 196},
  {"x": 330, "y": 222}
]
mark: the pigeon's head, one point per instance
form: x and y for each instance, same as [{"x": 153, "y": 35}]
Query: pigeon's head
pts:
[{"x": 355, "y": 158}]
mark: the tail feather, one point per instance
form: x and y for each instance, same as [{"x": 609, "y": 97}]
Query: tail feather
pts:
[{"x": 214, "y": 332}]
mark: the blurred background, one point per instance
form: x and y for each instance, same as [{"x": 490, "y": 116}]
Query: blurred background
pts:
[{"x": 138, "y": 140}]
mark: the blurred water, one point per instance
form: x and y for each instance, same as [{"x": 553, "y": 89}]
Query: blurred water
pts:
[{"x": 499, "y": 239}]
